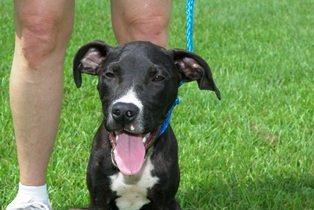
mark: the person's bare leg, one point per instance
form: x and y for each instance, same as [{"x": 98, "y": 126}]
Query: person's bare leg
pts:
[
  {"x": 43, "y": 29},
  {"x": 141, "y": 20}
]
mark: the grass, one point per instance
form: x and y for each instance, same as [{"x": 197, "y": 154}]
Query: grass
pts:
[{"x": 252, "y": 150}]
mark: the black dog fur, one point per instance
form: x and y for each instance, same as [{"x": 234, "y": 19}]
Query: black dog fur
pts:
[{"x": 151, "y": 75}]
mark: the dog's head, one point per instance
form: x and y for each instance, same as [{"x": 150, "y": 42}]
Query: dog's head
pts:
[{"x": 138, "y": 83}]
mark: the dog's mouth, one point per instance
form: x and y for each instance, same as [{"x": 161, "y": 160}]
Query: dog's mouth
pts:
[{"x": 129, "y": 150}]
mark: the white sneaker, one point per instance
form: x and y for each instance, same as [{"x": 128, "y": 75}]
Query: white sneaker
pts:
[{"x": 29, "y": 205}]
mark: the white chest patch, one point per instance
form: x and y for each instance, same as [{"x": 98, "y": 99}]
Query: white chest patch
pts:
[{"x": 132, "y": 190}]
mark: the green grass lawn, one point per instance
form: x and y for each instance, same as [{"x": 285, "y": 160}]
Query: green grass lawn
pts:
[{"x": 252, "y": 150}]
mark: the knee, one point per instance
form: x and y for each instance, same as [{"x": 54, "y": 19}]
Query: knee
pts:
[
  {"x": 39, "y": 37},
  {"x": 152, "y": 28}
]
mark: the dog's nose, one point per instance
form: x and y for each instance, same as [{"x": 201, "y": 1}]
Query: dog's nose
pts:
[{"x": 124, "y": 112}]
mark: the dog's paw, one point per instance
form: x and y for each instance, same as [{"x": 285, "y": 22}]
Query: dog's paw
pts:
[{"x": 78, "y": 209}]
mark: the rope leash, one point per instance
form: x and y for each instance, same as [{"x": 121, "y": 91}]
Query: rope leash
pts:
[
  {"x": 189, "y": 24},
  {"x": 189, "y": 43}
]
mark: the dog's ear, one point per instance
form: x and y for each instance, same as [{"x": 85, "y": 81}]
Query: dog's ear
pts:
[
  {"x": 88, "y": 60},
  {"x": 193, "y": 67}
]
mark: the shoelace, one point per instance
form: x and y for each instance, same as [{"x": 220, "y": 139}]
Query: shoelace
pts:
[{"x": 34, "y": 206}]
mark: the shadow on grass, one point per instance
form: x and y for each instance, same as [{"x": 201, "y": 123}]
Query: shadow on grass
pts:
[{"x": 269, "y": 193}]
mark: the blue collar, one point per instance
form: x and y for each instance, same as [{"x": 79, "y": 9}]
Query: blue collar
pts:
[{"x": 166, "y": 122}]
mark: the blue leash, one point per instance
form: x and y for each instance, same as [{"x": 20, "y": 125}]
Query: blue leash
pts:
[
  {"x": 189, "y": 24},
  {"x": 189, "y": 42}
]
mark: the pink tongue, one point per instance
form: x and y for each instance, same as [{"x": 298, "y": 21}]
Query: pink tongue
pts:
[{"x": 129, "y": 154}]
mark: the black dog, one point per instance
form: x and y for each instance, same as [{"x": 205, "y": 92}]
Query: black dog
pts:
[{"x": 132, "y": 165}]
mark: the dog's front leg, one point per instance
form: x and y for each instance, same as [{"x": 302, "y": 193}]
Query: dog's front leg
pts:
[
  {"x": 92, "y": 207},
  {"x": 174, "y": 205},
  {"x": 100, "y": 201}
]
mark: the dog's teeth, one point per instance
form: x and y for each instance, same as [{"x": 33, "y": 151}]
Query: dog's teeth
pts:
[
  {"x": 144, "y": 139},
  {"x": 117, "y": 137},
  {"x": 132, "y": 128}
]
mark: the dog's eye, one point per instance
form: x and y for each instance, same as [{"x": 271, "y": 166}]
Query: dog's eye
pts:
[
  {"x": 158, "y": 78},
  {"x": 109, "y": 75}
]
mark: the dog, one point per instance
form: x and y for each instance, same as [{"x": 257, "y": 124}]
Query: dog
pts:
[{"x": 132, "y": 164}]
